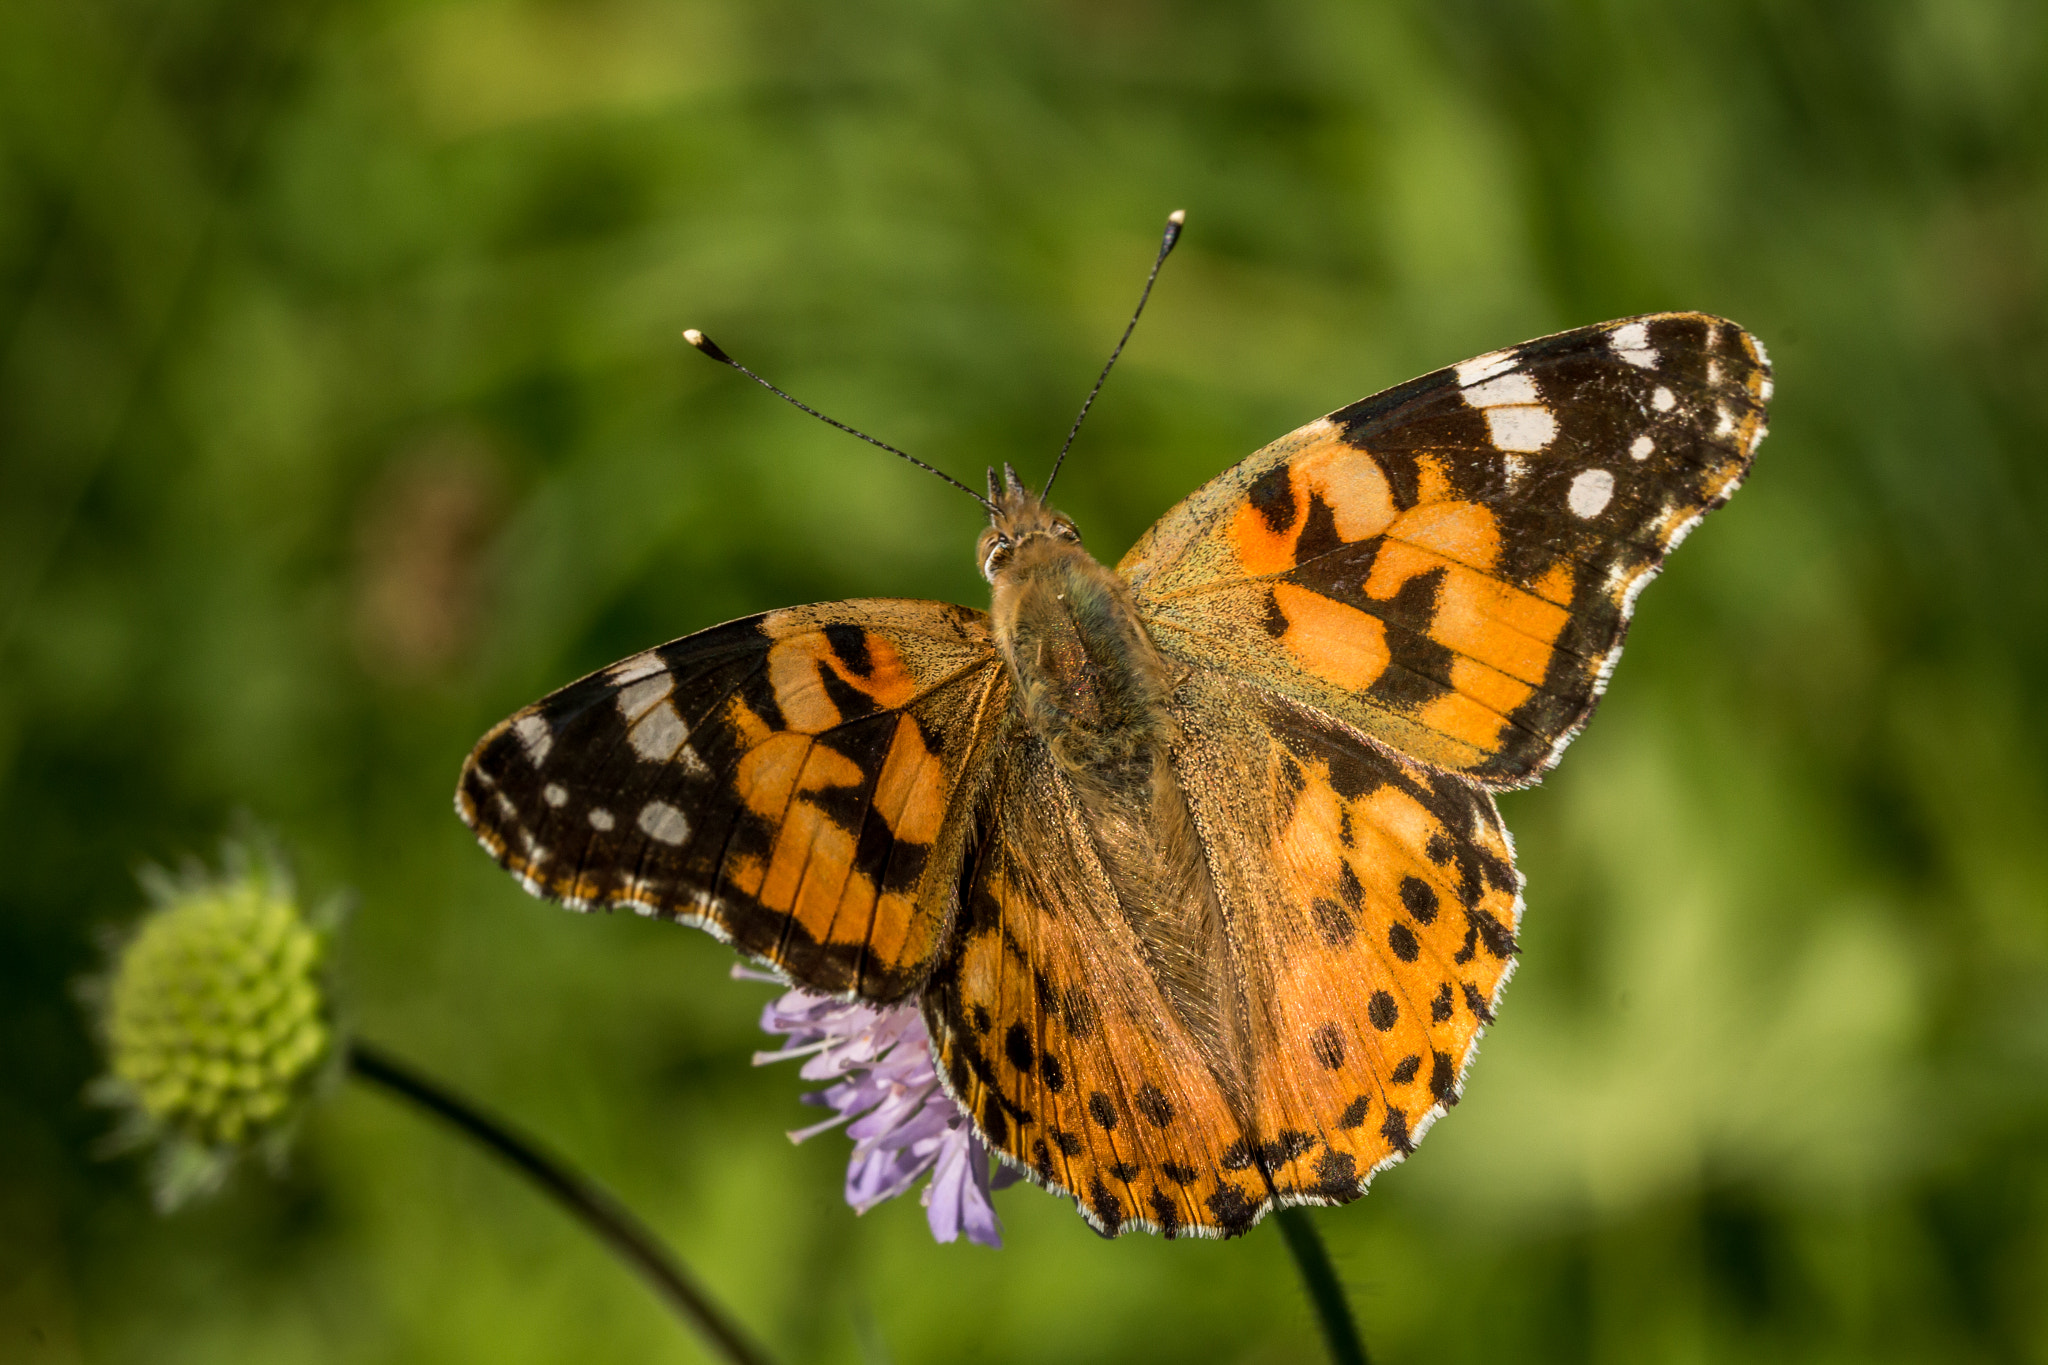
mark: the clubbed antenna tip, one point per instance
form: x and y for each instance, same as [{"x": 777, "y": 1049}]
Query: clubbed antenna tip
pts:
[{"x": 706, "y": 345}]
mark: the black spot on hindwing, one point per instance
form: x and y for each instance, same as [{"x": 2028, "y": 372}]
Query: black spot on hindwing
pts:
[
  {"x": 1443, "y": 1077},
  {"x": 1231, "y": 1208},
  {"x": 1153, "y": 1104},
  {"x": 1166, "y": 1213},
  {"x": 1108, "y": 1209},
  {"x": 1017, "y": 1047},
  {"x": 1382, "y": 1010},
  {"x": 1419, "y": 898},
  {"x": 1403, "y": 941}
]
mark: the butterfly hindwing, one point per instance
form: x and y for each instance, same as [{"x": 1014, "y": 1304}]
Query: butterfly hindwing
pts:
[
  {"x": 1450, "y": 565},
  {"x": 1373, "y": 904},
  {"x": 800, "y": 783},
  {"x": 1055, "y": 1038},
  {"x": 1367, "y": 907}
]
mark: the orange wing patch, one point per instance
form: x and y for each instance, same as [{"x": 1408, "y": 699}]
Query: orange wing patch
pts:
[
  {"x": 1495, "y": 520},
  {"x": 1339, "y": 644},
  {"x": 1320, "y": 469},
  {"x": 799, "y": 783},
  {"x": 803, "y": 658}
]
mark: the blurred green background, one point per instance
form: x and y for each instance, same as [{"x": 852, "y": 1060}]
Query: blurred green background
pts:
[{"x": 342, "y": 411}]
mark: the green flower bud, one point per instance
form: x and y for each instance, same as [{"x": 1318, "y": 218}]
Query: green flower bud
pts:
[{"x": 216, "y": 1022}]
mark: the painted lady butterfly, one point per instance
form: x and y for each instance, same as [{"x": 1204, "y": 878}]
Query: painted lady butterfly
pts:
[{"x": 1193, "y": 865}]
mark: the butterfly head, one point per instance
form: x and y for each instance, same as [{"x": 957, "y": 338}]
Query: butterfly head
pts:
[{"x": 1018, "y": 518}]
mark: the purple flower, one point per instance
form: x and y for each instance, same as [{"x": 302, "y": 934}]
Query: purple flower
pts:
[{"x": 886, "y": 1089}]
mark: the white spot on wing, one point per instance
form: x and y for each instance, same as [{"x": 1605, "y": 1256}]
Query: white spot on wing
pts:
[
  {"x": 1726, "y": 422},
  {"x": 1641, "y": 447},
  {"x": 642, "y": 665},
  {"x": 1528, "y": 428},
  {"x": 1591, "y": 491},
  {"x": 636, "y": 698},
  {"x": 1662, "y": 400},
  {"x": 555, "y": 794},
  {"x": 659, "y": 820},
  {"x": 1632, "y": 343},
  {"x": 1484, "y": 367},
  {"x": 657, "y": 735},
  {"x": 1769, "y": 388},
  {"x": 692, "y": 764},
  {"x": 1512, "y": 468},
  {"x": 1509, "y": 388},
  {"x": 535, "y": 737},
  {"x": 601, "y": 819},
  {"x": 1763, "y": 357},
  {"x": 1515, "y": 416}
]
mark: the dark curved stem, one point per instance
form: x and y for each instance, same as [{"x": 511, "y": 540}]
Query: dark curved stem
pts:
[
  {"x": 1319, "y": 1277},
  {"x": 629, "y": 1239}
]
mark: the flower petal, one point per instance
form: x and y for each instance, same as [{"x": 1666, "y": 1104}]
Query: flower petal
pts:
[{"x": 886, "y": 1090}]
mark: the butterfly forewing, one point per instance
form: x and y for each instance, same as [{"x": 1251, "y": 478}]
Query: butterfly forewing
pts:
[
  {"x": 1450, "y": 565},
  {"x": 800, "y": 783}
]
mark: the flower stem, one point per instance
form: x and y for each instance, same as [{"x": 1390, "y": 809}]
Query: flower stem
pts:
[
  {"x": 590, "y": 1204},
  {"x": 1319, "y": 1277}
]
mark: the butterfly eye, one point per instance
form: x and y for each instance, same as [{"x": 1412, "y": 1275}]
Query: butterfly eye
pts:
[{"x": 998, "y": 549}]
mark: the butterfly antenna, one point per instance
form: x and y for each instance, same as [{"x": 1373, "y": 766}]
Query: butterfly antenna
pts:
[
  {"x": 717, "y": 353},
  {"x": 1173, "y": 226}
]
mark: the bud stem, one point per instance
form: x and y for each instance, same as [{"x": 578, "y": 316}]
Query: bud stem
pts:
[
  {"x": 589, "y": 1203},
  {"x": 1319, "y": 1277}
]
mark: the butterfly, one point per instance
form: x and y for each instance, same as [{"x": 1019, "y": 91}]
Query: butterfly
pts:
[{"x": 1192, "y": 865}]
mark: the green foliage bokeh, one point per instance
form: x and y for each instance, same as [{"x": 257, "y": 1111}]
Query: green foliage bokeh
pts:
[{"x": 342, "y": 411}]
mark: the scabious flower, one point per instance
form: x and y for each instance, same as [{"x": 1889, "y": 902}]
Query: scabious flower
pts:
[
  {"x": 885, "y": 1088},
  {"x": 216, "y": 1020}
]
